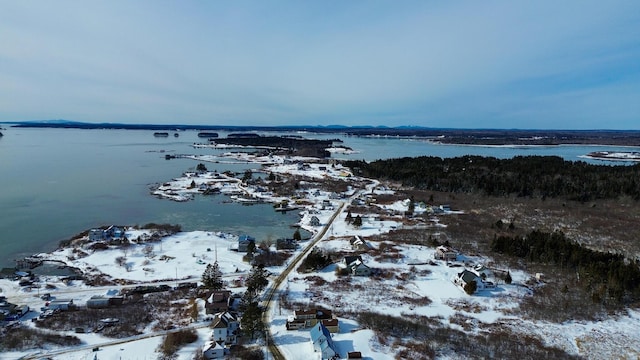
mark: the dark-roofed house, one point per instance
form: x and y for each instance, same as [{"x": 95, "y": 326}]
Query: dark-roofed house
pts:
[
  {"x": 348, "y": 260},
  {"x": 322, "y": 342},
  {"x": 288, "y": 244},
  {"x": 356, "y": 266},
  {"x": 218, "y": 301},
  {"x": 308, "y": 318},
  {"x": 358, "y": 244},
  {"x": 466, "y": 276}
]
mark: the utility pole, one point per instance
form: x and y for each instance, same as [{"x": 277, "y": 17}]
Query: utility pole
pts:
[{"x": 266, "y": 341}]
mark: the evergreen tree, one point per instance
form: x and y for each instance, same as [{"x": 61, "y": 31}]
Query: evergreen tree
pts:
[
  {"x": 357, "y": 222},
  {"x": 247, "y": 176},
  {"x": 411, "y": 207},
  {"x": 212, "y": 277},
  {"x": 470, "y": 287},
  {"x": 297, "y": 236},
  {"x": 256, "y": 281},
  {"x": 251, "y": 248},
  {"x": 201, "y": 167},
  {"x": 507, "y": 278},
  {"x": 349, "y": 217},
  {"x": 252, "y": 313},
  {"x": 251, "y": 316}
]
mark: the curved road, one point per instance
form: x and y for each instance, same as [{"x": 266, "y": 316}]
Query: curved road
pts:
[{"x": 273, "y": 289}]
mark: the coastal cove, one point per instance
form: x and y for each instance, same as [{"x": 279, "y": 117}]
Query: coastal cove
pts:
[{"x": 59, "y": 182}]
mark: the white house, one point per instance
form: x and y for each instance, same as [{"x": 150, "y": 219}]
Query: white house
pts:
[
  {"x": 465, "y": 277},
  {"x": 212, "y": 350},
  {"x": 225, "y": 328}
]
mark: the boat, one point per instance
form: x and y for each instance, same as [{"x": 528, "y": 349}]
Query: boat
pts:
[
  {"x": 207, "y": 134},
  {"x": 161, "y": 134}
]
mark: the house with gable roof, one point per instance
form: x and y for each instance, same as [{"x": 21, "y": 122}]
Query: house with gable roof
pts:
[
  {"x": 310, "y": 317},
  {"x": 314, "y": 221},
  {"x": 225, "y": 328},
  {"x": 445, "y": 253},
  {"x": 356, "y": 266},
  {"x": 465, "y": 277},
  {"x": 244, "y": 241},
  {"x": 322, "y": 342},
  {"x": 218, "y": 301},
  {"x": 212, "y": 350}
]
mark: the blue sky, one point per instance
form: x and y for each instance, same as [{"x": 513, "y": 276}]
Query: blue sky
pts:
[{"x": 462, "y": 64}]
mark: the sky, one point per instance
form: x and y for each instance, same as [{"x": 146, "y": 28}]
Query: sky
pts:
[{"x": 463, "y": 64}]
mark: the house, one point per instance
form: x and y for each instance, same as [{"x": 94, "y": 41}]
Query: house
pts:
[
  {"x": 212, "y": 350},
  {"x": 358, "y": 244},
  {"x": 286, "y": 244},
  {"x": 110, "y": 233},
  {"x": 225, "y": 328},
  {"x": 358, "y": 268},
  {"x": 331, "y": 325},
  {"x": 355, "y": 265},
  {"x": 465, "y": 277},
  {"x": 96, "y": 235},
  {"x": 309, "y": 317},
  {"x": 218, "y": 301},
  {"x": 483, "y": 271},
  {"x": 244, "y": 241},
  {"x": 348, "y": 260},
  {"x": 322, "y": 342},
  {"x": 314, "y": 221},
  {"x": 445, "y": 253}
]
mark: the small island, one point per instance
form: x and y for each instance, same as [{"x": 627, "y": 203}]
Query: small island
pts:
[{"x": 614, "y": 155}]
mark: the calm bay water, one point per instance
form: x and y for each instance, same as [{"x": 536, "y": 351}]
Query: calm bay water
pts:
[{"x": 58, "y": 182}]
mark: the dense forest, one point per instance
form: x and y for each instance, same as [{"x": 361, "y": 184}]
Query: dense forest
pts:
[
  {"x": 608, "y": 277},
  {"x": 523, "y": 176}
]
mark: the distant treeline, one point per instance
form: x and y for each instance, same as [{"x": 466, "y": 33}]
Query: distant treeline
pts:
[
  {"x": 608, "y": 277},
  {"x": 523, "y": 176},
  {"x": 441, "y": 135}
]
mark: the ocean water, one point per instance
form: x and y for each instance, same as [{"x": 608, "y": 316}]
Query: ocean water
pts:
[{"x": 55, "y": 183}]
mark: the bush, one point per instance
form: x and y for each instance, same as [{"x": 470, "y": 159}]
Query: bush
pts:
[
  {"x": 241, "y": 352},
  {"x": 316, "y": 260},
  {"x": 173, "y": 341},
  {"x": 470, "y": 287},
  {"x": 23, "y": 338}
]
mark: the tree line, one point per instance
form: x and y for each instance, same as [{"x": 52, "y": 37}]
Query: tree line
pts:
[
  {"x": 609, "y": 277},
  {"x": 523, "y": 176}
]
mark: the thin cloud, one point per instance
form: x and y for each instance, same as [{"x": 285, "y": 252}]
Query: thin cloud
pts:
[{"x": 463, "y": 64}]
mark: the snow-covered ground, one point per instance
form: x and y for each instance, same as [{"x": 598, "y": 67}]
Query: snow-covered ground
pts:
[{"x": 414, "y": 277}]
